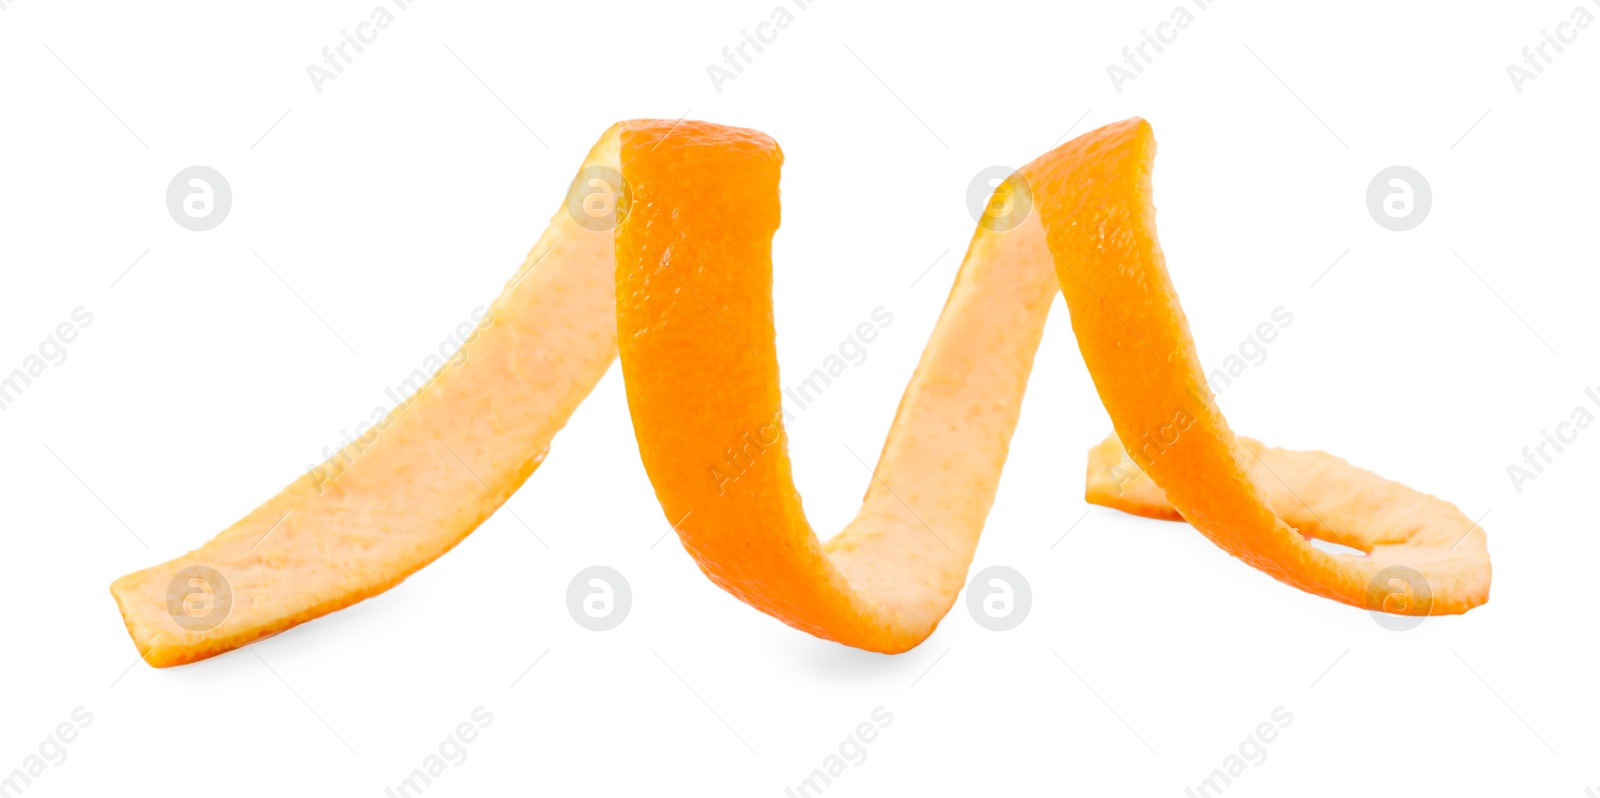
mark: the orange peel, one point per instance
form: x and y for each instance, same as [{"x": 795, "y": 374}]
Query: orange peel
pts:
[{"x": 684, "y": 285}]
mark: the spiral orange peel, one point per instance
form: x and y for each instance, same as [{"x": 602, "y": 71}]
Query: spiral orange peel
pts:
[{"x": 684, "y": 285}]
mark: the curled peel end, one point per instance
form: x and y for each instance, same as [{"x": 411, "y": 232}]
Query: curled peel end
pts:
[{"x": 1413, "y": 543}]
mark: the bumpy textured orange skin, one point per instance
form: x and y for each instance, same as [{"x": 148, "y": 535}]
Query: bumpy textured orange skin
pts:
[
  {"x": 699, "y": 360},
  {"x": 684, "y": 285}
]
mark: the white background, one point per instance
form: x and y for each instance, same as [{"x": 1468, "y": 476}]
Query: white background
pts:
[{"x": 403, "y": 196}]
